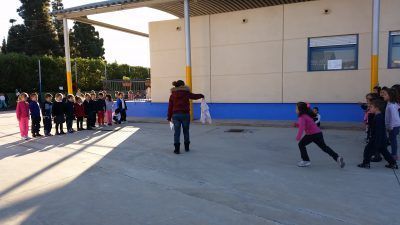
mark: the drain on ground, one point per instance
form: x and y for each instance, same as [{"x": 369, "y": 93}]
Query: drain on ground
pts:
[{"x": 235, "y": 131}]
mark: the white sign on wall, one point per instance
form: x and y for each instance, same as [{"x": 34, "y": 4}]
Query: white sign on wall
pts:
[{"x": 335, "y": 64}]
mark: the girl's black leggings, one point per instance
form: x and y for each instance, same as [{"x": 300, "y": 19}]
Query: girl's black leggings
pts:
[
  {"x": 59, "y": 125},
  {"x": 318, "y": 139},
  {"x": 79, "y": 123}
]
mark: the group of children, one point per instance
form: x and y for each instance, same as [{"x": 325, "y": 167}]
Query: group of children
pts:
[
  {"x": 382, "y": 119},
  {"x": 66, "y": 110}
]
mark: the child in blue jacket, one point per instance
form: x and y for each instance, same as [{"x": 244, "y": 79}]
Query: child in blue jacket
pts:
[{"x": 34, "y": 109}]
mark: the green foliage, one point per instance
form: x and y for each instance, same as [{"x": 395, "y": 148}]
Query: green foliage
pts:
[
  {"x": 41, "y": 37},
  {"x": 16, "y": 40},
  {"x": 58, "y": 24},
  {"x": 117, "y": 72},
  {"x": 86, "y": 42},
  {"x": 4, "y": 46},
  {"x": 21, "y": 71}
]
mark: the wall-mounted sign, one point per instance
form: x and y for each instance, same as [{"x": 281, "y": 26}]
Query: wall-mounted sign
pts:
[{"x": 335, "y": 64}]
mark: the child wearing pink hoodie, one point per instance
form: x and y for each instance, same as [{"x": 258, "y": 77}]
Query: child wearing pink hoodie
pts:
[
  {"x": 312, "y": 134},
  {"x": 23, "y": 115}
]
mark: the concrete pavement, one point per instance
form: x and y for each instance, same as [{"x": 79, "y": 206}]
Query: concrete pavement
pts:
[{"x": 128, "y": 175}]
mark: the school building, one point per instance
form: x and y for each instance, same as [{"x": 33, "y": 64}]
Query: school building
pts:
[{"x": 255, "y": 59}]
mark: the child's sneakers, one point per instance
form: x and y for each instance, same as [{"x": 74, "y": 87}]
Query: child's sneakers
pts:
[
  {"x": 304, "y": 164},
  {"x": 340, "y": 162},
  {"x": 392, "y": 166},
  {"x": 364, "y": 165}
]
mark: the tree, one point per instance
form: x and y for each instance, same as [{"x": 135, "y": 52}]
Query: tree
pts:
[
  {"x": 4, "y": 46},
  {"x": 41, "y": 38},
  {"x": 17, "y": 39},
  {"x": 86, "y": 42},
  {"x": 58, "y": 24}
]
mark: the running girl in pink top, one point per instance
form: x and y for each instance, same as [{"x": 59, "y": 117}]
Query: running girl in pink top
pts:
[{"x": 312, "y": 134}]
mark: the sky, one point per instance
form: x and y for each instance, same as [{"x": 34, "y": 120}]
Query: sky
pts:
[{"x": 120, "y": 47}]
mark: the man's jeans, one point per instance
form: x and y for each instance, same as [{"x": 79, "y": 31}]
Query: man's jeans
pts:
[{"x": 181, "y": 120}]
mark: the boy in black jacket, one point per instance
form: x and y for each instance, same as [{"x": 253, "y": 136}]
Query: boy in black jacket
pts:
[
  {"x": 69, "y": 112},
  {"x": 378, "y": 138},
  {"x": 87, "y": 111},
  {"x": 58, "y": 113}
]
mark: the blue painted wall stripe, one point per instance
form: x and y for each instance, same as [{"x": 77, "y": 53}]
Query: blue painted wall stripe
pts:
[{"x": 333, "y": 112}]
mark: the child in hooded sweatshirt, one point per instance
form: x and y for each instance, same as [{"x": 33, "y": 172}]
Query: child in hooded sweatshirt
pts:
[
  {"x": 313, "y": 134},
  {"x": 23, "y": 115}
]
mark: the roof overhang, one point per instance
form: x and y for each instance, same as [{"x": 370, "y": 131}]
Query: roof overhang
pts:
[{"x": 174, "y": 7}]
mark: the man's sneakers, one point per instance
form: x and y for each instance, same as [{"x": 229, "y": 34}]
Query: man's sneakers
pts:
[
  {"x": 340, "y": 162},
  {"x": 304, "y": 164}
]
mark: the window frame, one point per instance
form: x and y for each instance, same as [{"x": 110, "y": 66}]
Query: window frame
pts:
[
  {"x": 356, "y": 47},
  {"x": 390, "y": 46}
]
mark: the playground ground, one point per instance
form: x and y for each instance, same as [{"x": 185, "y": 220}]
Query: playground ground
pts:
[{"x": 128, "y": 175}]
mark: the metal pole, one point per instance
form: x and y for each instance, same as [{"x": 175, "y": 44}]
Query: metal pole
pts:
[
  {"x": 375, "y": 44},
  {"x": 67, "y": 56},
  {"x": 40, "y": 81},
  {"x": 188, "y": 51}
]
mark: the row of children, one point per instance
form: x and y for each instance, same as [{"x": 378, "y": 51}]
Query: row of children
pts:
[
  {"x": 66, "y": 110},
  {"x": 382, "y": 120}
]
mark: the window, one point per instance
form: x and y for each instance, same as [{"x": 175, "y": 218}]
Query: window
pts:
[
  {"x": 394, "y": 49},
  {"x": 333, "y": 53}
]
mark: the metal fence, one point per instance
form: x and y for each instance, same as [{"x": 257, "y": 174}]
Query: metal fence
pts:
[{"x": 133, "y": 89}]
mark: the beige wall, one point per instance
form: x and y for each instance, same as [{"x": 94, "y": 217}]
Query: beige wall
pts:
[
  {"x": 265, "y": 59},
  {"x": 390, "y": 21}
]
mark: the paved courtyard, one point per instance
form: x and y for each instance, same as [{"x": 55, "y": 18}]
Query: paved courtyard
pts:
[{"x": 128, "y": 175}]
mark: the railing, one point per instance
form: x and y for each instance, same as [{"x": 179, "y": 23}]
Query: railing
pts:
[{"x": 133, "y": 89}]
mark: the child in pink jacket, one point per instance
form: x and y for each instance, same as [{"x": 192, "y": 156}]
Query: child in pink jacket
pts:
[
  {"x": 23, "y": 115},
  {"x": 312, "y": 134}
]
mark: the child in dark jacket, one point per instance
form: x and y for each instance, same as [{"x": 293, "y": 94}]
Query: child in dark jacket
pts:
[
  {"x": 121, "y": 105},
  {"x": 93, "y": 109},
  {"x": 90, "y": 111},
  {"x": 58, "y": 114},
  {"x": 378, "y": 139},
  {"x": 34, "y": 108},
  {"x": 79, "y": 112},
  {"x": 47, "y": 112},
  {"x": 101, "y": 109},
  {"x": 69, "y": 112}
]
